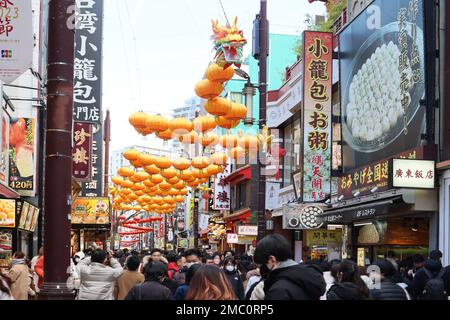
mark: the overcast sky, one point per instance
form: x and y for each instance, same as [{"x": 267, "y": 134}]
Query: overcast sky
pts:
[{"x": 155, "y": 51}]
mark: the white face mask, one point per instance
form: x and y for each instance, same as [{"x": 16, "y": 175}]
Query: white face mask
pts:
[{"x": 230, "y": 268}]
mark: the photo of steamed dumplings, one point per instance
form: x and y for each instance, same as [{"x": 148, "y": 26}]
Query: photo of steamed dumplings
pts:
[{"x": 374, "y": 103}]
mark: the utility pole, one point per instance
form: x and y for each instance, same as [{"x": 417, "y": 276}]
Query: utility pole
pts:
[
  {"x": 264, "y": 41},
  {"x": 195, "y": 195},
  {"x": 58, "y": 153}
]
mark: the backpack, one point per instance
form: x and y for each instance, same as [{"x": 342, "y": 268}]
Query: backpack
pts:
[{"x": 434, "y": 287}]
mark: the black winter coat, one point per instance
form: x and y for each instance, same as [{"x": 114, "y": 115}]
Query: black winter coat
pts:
[
  {"x": 236, "y": 283},
  {"x": 172, "y": 285},
  {"x": 297, "y": 282},
  {"x": 388, "y": 291},
  {"x": 149, "y": 290},
  {"x": 345, "y": 291},
  {"x": 421, "y": 278}
]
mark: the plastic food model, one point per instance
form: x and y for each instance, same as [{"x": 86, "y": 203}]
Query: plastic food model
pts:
[{"x": 375, "y": 106}]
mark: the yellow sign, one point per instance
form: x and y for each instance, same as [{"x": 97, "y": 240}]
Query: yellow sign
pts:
[
  {"x": 7, "y": 213},
  {"x": 323, "y": 237},
  {"x": 91, "y": 211}
]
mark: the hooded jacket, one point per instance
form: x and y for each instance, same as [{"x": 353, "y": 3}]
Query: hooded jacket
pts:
[
  {"x": 294, "y": 282},
  {"x": 345, "y": 291},
  {"x": 20, "y": 278},
  {"x": 98, "y": 280},
  {"x": 236, "y": 283},
  {"x": 421, "y": 278}
]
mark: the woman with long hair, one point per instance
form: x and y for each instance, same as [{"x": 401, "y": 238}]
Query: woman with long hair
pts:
[
  {"x": 349, "y": 285},
  {"x": 5, "y": 288},
  {"x": 210, "y": 283}
]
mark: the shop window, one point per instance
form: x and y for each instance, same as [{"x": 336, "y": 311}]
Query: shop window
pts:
[{"x": 240, "y": 197}]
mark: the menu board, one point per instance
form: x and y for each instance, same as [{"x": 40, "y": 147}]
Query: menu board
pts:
[
  {"x": 28, "y": 216},
  {"x": 5, "y": 248},
  {"x": 7, "y": 213},
  {"x": 23, "y": 215},
  {"x": 90, "y": 211}
]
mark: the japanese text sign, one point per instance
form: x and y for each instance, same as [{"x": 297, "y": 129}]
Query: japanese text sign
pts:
[
  {"x": 81, "y": 153},
  {"x": 222, "y": 190},
  {"x": 418, "y": 174},
  {"x": 318, "y": 61},
  {"x": 16, "y": 38},
  {"x": 94, "y": 188},
  {"x": 88, "y": 61}
]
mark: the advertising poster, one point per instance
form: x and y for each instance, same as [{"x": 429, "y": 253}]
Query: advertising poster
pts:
[
  {"x": 5, "y": 248},
  {"x": 91, "y": 211},
  {"x": 22, "y": 162},
  {"x": 4, "y": 147},
  {"x": 16, "y": 38},
  {"x": 24, "y": 215},
  {"x": 7, "y": 213},
  {"x": 318, "y": 65},
  {"x": 217, "y": 228},
  {"x": 382, "y": 115}
]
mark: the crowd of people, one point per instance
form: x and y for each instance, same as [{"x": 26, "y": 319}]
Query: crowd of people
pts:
[{"x": 270, "y": 274}]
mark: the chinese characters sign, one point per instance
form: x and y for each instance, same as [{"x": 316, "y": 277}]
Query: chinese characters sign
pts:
[
  {"x": 418, "y": 174},
  {"x": 222, "y": 190},
  {"x": 81, "y": 154},
  {"x": 318, "y": 61},
  {"x": 366, "y": 178},
  {"x": 88, "y": 61},
  {"x": 94, "y": 188},
  {"x": 323, "y": 237},
  {"x": 16, "y": 38}
]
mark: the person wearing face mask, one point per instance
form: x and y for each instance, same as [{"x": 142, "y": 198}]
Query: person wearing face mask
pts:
[
  {"x": 216, "y": 260},
  {"x": 193, "y": 256},
  {"x": 230, "y": 268},
  {"x": 287, "y": 280},
  {"x": 152, "y": 288}
]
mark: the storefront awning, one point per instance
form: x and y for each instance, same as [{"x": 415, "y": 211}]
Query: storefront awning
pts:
[
  {"x": 238, "y": 216},
  {"x": 358, "y": 212},
  {"x": 239, "y": 175},
  {"x": 7, "y": 192}
]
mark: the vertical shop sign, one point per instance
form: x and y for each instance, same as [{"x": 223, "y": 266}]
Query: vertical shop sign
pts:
[
  {"x": 317, "y": 73},
  {"x": 88, "y": 61},
  {"x": 81, "y": 153},
  {"x": 222, "y": 190},
  {"x": 94, "y": 188}
]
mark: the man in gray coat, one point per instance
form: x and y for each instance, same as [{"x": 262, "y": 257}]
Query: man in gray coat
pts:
[{"x": 98, "y": 274}]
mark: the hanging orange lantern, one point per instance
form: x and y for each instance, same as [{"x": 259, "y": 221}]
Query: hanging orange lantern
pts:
[
  {"x": 213, "y": 169},
  {"x": 219, "y": 158},
  {"x": 141, "y": 175},
  {"x": 204, "y": 123},
  {"x": 146, "y": 159},
  {"x": 179, "y": 185},
  {"x": 183, "y": 192},
  {"x": 227, "y": 123},
  {"x": 208, "y": 140},
  {"x": 131, "y": 154},
  {"x": 134, "y": 179},
  {"x": 238, "y": 112},
  {"x": 163, "y": 163},
  {"x": 138, "y": 120},
  {"x": 228, "y": 141},
  {"x": 200, "y": 162},
  {"x": 218, "y": 106},
  {"x": 169, "y": 173},
  {"x": 136, "y": 163},
  {"x": 174, "y": 180},
  {"x": 207, "y": 89},
  {"x": 152, "y": 189},
  {"x": 127, "y": 184},
  {"x": 158, "y": 200},
  {"x": 237, "y": 153},
  {"x": 179, "y": 198},
  {"x": 214, "y": 72},
  {"x": 125, "y": 192},
  {"x": 125, "y": 171},
  {"x": 165, "y": 186},
  {"x": 132, "y": 197},
  {"x": 189, "y": 138},
  {"x": 156, "y": 123},
  {"x": 156, "y": 178},
  {"x": 152, "y": 169},
  {"x": 169, "y": 200},
  {"x": 165, "y": 135},
  {"x": 181, "y": 126},
  {"x": 199, "y": 174},
  {"x": 249, "y": 143},
  {"x": 181, "y": 164},
  {"x": 185, "y": 175},
  {"x": 173, "y": 192},
  {"x": 117, "y": 180},
  {"x": 193, "y": 184}
]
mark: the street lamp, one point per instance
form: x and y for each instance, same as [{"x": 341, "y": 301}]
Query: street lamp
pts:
[{"x": 249, "y": 91}]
